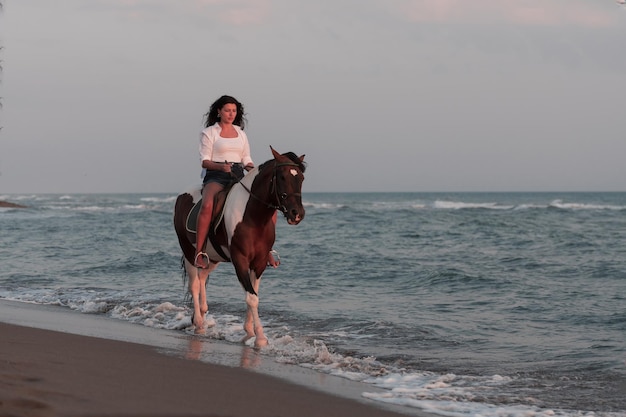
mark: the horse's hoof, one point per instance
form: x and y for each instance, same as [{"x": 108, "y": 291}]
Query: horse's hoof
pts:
[
  {"x": 260, "y": 342},
  {"x": 198, "y": 327}
]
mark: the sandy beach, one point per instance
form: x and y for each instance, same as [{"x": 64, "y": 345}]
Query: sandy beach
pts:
[{"x": 54, "y": 373}]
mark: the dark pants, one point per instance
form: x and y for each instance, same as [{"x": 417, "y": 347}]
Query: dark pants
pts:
[{"x": 224, "y": 178}]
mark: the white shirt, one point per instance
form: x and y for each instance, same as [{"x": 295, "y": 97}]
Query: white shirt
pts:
[{"x": 215, "y": 148}]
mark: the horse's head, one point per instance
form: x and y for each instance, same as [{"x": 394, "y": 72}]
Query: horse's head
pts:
[{"x": 287, "y": 184}]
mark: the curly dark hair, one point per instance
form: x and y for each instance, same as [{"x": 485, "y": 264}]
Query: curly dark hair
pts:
[{"x": 211, "y": 117}]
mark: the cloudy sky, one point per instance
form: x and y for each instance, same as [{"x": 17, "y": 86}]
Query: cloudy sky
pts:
[{"x": 381, "y": 95}]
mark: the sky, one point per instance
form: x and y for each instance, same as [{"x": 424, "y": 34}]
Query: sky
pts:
[{"x": 108, "y": 96}]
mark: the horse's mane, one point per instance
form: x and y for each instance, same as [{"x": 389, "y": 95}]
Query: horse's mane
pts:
[{"x": 293, "y": 157}]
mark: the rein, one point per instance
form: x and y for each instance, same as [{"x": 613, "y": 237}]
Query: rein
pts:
[{"x": 283, "y": 196}]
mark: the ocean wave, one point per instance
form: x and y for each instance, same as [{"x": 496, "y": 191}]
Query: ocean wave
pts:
[
  {"x": 584, "y": 206},
  {"x": 323, "y": 206},
  {"x": 459, "y": 205},
  {"x": 467, "y": 205},
  {"x": 168, "y": 199},
  {"x": 23, "y": 197},
  {"x": 410, "y": 202}
]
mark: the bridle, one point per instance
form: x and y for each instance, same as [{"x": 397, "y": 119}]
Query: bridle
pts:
[{"x": 278, "y": 196}]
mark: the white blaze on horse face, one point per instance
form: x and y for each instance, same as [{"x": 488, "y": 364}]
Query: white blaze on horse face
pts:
[{"x": 294, "y": 172}]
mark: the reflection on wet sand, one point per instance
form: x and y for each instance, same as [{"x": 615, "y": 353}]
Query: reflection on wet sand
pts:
[
  {"x": 195, "y": 348},
  {"x": 250, "y": 357},
  {"x": 199, "y": 348}
]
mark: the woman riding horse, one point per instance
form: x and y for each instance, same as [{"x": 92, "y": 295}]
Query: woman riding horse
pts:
[
  {"x": 224, "y": 150},
  {"x": 245, "y": 233}
]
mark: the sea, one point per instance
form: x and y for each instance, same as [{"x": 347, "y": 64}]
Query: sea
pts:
[{"x": 455, "y": 304}]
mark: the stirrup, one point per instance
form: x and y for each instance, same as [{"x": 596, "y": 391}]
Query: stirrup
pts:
[{"x": 201, "y": 254}]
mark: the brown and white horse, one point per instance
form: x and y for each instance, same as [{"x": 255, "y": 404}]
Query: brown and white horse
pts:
[{"x": 243, "y": 233}]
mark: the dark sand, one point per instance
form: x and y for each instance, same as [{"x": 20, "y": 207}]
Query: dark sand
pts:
[{"x": 53, "y": 373}]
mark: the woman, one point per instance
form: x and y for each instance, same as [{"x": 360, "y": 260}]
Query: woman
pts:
[{"x": 224, "y": 149}]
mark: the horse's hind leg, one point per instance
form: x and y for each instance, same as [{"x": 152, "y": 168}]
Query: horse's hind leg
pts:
[
  {"x": 252, "y": 325},
  {"x": 197, "y": 287}
]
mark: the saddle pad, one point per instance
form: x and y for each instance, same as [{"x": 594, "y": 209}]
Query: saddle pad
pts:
[{"x": 192, "y": 217}]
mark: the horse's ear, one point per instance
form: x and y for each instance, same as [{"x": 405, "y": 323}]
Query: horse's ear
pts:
[
  {"x": 301, "y": 158},
  {"x": 276, "y": 154}
]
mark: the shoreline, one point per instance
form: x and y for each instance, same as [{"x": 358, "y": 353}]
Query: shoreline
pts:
[{"x": 120, "y": 368}]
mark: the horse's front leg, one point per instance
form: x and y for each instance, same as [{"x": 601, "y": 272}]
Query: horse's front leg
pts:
[
  {"x": 252, "y": 325},
  {"x": 197, "y": 287}
]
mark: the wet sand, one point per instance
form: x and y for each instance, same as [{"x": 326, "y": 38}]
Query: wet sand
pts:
[{"x": 46, "y": 372}]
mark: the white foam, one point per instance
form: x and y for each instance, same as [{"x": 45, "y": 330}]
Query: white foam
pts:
[
  {"x": 323, "y": 206},
  {"x": 457, "y": 205},
  {"x": 168, "y": 199},
  {"x": 463, "y": 409},
  {"x": 91, "y": 307},
  {"x": 460, "y": 396},
  {"x": 582, "y": 206},
  {"x": 530, "y": 206}
]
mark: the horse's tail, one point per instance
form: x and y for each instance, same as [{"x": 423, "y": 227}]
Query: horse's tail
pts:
[
  {"x": 184, "y": 203},
  {"x": 187, "y": 300}
]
